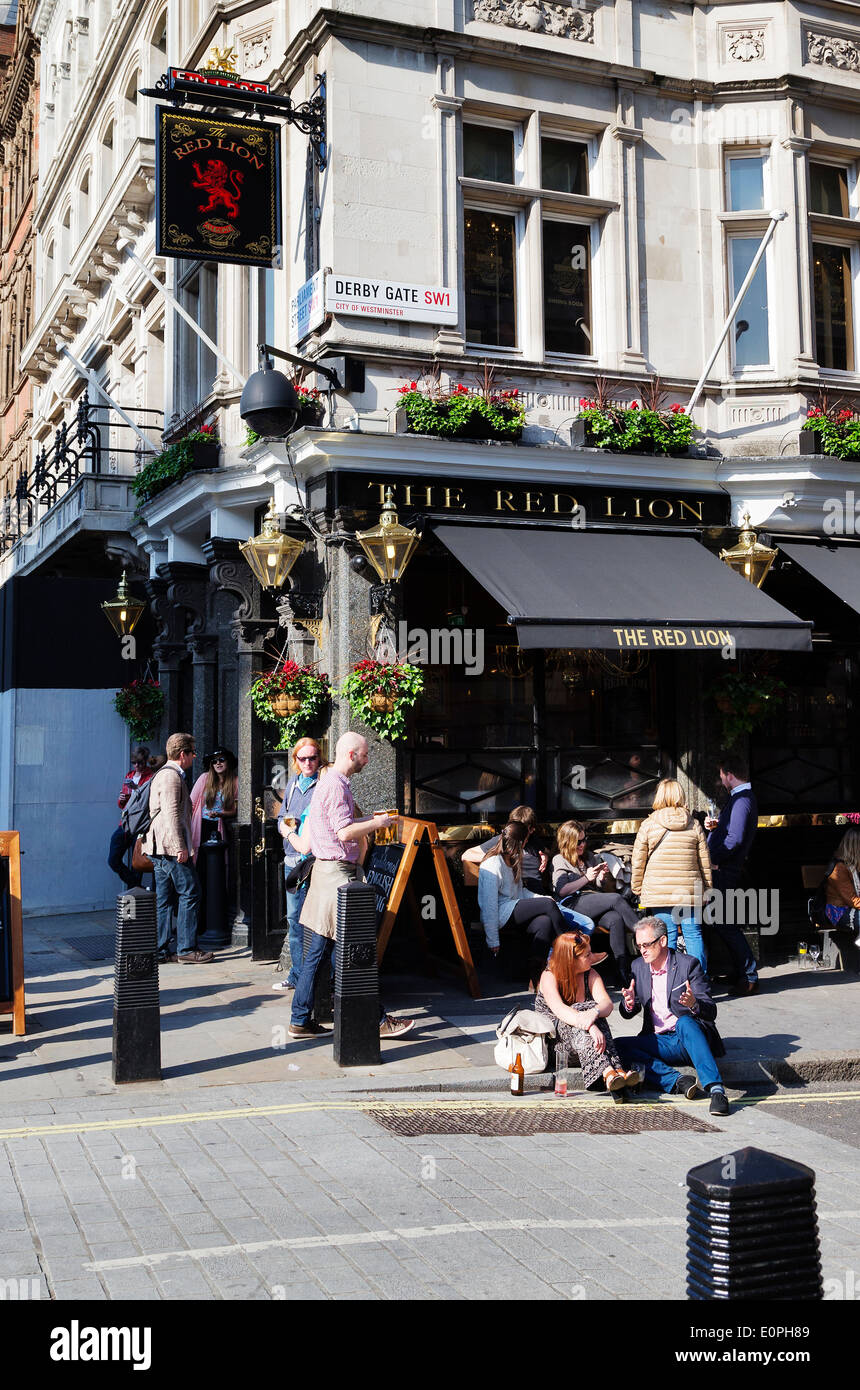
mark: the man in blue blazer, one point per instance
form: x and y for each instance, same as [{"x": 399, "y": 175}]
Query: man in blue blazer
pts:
[
  {"x": 678, "y": 1023},
  {"x": 729, "y": 844}
]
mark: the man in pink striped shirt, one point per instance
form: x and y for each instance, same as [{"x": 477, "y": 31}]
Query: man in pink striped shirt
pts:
[{"x": 334, "y": 837}]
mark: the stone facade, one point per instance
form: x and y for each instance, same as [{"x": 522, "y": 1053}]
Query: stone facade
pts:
[{"x": 19, "y": 143}]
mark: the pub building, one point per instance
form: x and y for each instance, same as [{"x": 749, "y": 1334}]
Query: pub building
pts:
[{"x": 570, "y": 667}]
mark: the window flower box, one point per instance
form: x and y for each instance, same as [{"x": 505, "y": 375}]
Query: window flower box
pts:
[
  {"x": 196, "y": 452},
  {"x": 484, "y": 414}
]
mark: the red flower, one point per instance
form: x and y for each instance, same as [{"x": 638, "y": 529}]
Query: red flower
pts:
[
  {"x": 678, "y": 410},
  {"x": 634, "y": 405},
  {"x": 843, "y": 416}
]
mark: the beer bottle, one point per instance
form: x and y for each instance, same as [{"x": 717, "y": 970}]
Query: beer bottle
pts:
[{"x": 518, "y": 1076}]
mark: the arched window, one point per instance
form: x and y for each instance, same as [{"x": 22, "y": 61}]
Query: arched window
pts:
[
  {"x": 130, "y": 114},
  {"x": 106, "y": 152},
  {"x": 50, "y": 270},
  {"x": 84, "y": 203}
]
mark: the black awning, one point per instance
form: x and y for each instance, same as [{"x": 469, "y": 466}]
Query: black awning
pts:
[
  {"x": 838, "y": 568},
  {"x": 620, "y": 591}
]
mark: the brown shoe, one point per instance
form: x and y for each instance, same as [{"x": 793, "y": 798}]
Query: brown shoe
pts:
[
  {"x": 196, "y": 958},
  {"x": 615, "y": 1080}
]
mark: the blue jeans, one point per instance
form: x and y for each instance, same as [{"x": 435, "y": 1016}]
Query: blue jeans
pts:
[
  {"x": 295, "y": 942},
  {"x": 176, "y": 881},
  {"x": 662, "y": 1052},
  {"x": 303, "y": 999},
  {"x": 691, "y": 932}
]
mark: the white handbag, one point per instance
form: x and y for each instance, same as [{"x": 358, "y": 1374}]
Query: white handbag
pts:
[{"x": 525, "y": 1032}]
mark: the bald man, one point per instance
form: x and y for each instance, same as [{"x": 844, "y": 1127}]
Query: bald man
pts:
[{"x": 333, "y": 834}]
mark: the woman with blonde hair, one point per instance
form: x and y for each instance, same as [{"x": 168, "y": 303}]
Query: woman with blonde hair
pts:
[
  {"x": 578, "y": 877},
  {"x": 670, "y": 860},
  {"x": 308, "y": 762},
  {"x": 572, "y": 993},
  {"x": 842, "y": 888}
]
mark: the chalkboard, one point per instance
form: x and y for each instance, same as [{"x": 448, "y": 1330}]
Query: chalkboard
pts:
[
  {"x": 389, "y": 868},
  {"x": 380, "y": 870}
]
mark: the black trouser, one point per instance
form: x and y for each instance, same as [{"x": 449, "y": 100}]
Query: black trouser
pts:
[
  {"x": 614, "y": 913},
  {"x": 120, "y": 843},
  {"x": 543, "y": 922}
]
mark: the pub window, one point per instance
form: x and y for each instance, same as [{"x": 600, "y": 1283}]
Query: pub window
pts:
[
  {"x": 745, "y": 183},
  {"x": 488, "y": 153},
  {"x": 490, "y": 266},
  {"x": 832, "y": 277},
  {"x": 567, "y": 286},
  {"x": 751, "y": 342},
  {"x": 828, "y": 189},
  {"x": 196, "y": 364},
  {"x": 564, "y": 165}
]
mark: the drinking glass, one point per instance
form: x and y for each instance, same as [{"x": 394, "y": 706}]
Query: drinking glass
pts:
[{"x": 815, "y": 952}]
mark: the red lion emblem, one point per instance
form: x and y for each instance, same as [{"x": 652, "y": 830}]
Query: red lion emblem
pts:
[{"x": 214, "y": 179}]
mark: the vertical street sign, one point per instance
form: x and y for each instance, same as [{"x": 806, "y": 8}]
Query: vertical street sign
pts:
[{"x": 218, "y": 188}]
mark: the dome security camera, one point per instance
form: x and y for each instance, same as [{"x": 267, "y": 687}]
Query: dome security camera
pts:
[{"x": 269, "y": 404}]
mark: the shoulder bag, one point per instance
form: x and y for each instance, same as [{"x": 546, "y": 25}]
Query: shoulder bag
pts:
[{"x": 525, "y": 1032}]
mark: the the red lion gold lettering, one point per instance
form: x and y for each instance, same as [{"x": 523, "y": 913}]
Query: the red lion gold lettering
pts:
[{"x": 214, "y": 179}]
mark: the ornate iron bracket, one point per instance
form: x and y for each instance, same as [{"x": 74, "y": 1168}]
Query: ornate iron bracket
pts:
[{"x": 214, "y": 89}]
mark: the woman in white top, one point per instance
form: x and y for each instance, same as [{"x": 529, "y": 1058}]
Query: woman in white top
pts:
[{"x": 503, "y": 899}]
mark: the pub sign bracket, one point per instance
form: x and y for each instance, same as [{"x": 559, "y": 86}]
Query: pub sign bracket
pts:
[{"x": 227, "y": 89}]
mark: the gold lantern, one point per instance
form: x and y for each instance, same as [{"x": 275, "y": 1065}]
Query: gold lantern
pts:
[
  {"x": 749, "y": 558},
  {"x": 271, "y": 555},
  {"x": 123, "y": 611},
  {"x": 388, "y": 546}
]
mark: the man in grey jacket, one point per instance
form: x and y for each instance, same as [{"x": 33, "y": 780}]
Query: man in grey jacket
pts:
[{"x": 169, "y": 845}]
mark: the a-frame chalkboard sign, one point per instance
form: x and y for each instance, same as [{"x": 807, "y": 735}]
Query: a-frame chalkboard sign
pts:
[
  {"x": 11, "y": 931},
  {"x": 388, "y": 868}
]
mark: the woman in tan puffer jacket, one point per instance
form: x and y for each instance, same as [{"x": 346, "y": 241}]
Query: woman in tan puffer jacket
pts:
[{"x": 670, "y": 858}]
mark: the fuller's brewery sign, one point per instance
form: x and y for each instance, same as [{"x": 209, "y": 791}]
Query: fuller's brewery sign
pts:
[{"x": 218, "y": 188}]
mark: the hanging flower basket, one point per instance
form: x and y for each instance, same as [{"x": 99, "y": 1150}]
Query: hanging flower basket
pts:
[
  {"x": 380, "y": 692},
  {"x": 745, "y": 701},
  {"x": 292, "y": 697},
  {"x": 141, "y": 705}
]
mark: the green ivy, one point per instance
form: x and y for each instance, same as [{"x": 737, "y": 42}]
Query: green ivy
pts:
[
  {"x": 402, "y": 682},
  {"x": 463, "y": 415},
  {"x": 631, "y": 430},
  {"x": 169, "y": 466}
]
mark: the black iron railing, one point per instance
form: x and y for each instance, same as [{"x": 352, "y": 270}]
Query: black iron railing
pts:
[{"x": 82, "y": 445}]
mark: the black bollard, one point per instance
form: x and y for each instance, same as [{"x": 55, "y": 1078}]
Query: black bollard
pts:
[
  {"x": 356, "y": 983},
  {"x": 752, "y": 1230},
  {"x": 322, "y": 1007},
  {"x": 136, "y": 1014},
  {"x": 212, "y": 871}
]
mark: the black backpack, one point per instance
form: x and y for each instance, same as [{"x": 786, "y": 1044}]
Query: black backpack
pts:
[{"x": 136, "y": 818}]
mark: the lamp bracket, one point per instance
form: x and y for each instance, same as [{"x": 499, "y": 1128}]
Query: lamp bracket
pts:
[
  {"x": 266, "y": 351},
  {"x": 383, "y": 600}
]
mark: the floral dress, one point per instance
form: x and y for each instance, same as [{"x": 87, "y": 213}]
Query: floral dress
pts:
[{"x": 593, "y": 1063}]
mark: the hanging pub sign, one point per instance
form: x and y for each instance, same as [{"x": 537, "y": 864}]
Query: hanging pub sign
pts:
[{"x": 218, "y": 188}]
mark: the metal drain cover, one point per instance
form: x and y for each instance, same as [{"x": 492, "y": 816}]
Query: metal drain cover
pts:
[
  {"x": 539, "y": 1119},
  {"x": 93, "y": 947}
]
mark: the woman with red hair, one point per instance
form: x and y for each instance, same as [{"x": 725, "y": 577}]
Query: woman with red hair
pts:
[{"x": 572, "y": 993}]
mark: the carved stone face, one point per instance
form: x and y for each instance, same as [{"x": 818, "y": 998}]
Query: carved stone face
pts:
[{"x": 532, "y": 16}]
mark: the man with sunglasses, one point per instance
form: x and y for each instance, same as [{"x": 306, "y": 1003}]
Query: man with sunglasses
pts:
[
  {"x": 122, "y": 840},
  {"x": 307, "y": 762},
  {"x": 678, "y": 1020}
]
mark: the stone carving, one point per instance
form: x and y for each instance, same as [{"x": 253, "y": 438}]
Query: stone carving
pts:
[
  {"x": 256, "y": 51},
  {"x": 539, "y": 17},
  {"x": 833, "y": 52},
  {"x": 745, "y": 45}
]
